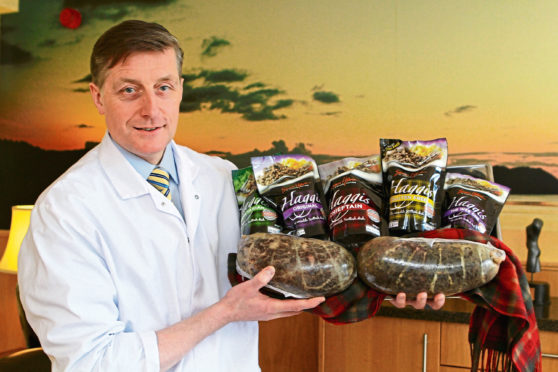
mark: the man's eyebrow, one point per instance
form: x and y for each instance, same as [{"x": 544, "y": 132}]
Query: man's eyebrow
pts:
[
  {"x": 126, "y": 80},
  {"x": 168, "y": 78}
]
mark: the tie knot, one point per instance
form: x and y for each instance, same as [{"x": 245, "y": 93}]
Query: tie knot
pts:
[{"x": 159, "y": 178}]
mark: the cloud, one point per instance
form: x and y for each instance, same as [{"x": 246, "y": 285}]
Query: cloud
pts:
[
  {"x": 50, "y": 43},
  {"x": 112, "y": 10},
  {"x": 85, "y": 79},
  {"x": 111, "y": 14},
  {"x": 47, "y": 43},
  {"x": 255, "y": 85},
  {"x": 85, "y": 89},
  {"x": 213, "y": 45},
  {"x": 13, "y": 55},
  {"x": 325, "y": 97},
  {"x": 460, "y": 110},
  {"x": 212, "y": 90},
  {"x": 96, "y": 3},
  {"x": 223, "y": 76},
  {"x": 84, "y": 126}
]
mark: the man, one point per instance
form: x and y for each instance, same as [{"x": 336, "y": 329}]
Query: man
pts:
[{"x": 116, "y": 275}]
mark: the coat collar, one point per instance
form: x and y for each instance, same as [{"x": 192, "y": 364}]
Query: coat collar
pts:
[
  {"x": 127, "y": 182},
  {"x": 184, "y": 161}
]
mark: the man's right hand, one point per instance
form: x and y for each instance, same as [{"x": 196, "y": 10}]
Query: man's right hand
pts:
[{"x": 245, "y": 301}]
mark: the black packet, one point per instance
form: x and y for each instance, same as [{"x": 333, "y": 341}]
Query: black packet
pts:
[
  {"x": 413, "y": 173},
  {"x": 354, "y": 192}
]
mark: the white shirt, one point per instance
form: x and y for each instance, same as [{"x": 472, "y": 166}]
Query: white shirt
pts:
[{"x": 108, "y": 260}]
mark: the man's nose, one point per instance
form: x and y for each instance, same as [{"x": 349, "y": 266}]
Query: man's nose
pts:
[{"x": 149, "y": 105}]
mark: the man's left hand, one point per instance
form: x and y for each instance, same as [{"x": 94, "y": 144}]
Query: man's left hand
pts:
[{"x": 420, "y": 302}]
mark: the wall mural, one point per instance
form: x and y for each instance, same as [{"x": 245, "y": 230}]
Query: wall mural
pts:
[{"x": 325, "y": 78}]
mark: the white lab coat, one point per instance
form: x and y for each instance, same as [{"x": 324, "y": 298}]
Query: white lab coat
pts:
[{"x": 108, "y": 261}]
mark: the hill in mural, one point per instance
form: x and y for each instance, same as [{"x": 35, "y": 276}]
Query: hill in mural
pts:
[
  {"x": 26, "y": 171},
  {"x": 526, "y": 180}
]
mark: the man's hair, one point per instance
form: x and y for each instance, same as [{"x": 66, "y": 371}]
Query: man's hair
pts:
[{"x": 120, "y": 41}]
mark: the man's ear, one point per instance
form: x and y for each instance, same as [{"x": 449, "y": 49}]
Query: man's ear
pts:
[
  {"x": 97, "y": 99},
  {"x": 181, "y": 88}
]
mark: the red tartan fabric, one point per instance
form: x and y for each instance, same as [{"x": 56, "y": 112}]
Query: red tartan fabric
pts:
[
  {"x": 504, "y": 319},
  {"x": 502, "y": 323}
]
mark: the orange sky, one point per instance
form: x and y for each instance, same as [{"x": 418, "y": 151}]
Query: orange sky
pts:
[{"x": 481, "y": 74}]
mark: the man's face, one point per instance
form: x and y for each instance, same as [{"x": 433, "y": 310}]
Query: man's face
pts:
[{"x": 140, "y": 99}]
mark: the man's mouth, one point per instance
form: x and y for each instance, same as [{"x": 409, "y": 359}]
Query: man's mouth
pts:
[{"x": 148, "y": 129}]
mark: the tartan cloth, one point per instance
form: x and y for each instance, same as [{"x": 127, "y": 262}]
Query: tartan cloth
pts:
[{"x": 503, "y": 330}]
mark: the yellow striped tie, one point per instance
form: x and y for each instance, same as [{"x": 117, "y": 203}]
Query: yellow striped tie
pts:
[{"x": 159, "y": 178}]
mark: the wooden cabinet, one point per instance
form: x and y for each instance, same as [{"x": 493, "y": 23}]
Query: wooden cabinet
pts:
[
  {"x": 306, "y": 343},
  {"x": 289, "y": 344},
  {"x": 380, "y": 344},
  {"x": 11, "y": 336},
  {"x": 453, "y": 369},
  {"x": 456, "y": 350},
  {"x": 549, "y": 347}
]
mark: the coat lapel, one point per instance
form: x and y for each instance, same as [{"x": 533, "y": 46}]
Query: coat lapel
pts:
[{"x": 188, "y": 172}]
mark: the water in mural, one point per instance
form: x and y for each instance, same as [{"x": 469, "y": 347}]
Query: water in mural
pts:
[{"x": 326, "y": 78}]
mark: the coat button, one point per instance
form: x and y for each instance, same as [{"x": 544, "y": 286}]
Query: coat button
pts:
[{"x": 196, "y": 196}]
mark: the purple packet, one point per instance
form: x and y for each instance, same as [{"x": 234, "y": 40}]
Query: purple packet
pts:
[
  {"x": 472, "y": 203},
  {"x": 291, "y": 184}
]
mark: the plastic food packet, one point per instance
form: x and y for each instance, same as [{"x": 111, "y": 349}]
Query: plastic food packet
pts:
[
  {"x": 472, "y": 203},
  {"x": 291, "y": 184},
  {"x": 256, "y": 215},
  {"x": 353, "y": 192},
  {"x": 303, "y": 267},
  {"x": 413, "y": 265},
  {"x": 413, "y": 174},
  {"x": 244, "y": 183}
]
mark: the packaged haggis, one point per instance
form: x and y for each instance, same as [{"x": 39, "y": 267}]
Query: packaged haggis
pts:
[
  {"x": 472, "y": 203},
  {"x": 256, "y": 215},
  {"x": 413, "y": 173},
  {"x": 291, "y": 184},
  {"x": 353, "y": 192},
  {"x": 243, "y": 183}
]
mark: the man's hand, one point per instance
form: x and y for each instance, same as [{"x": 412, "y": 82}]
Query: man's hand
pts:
[
  {"x": 245, "y": 301},
  {"x": 420, "y": 302}
]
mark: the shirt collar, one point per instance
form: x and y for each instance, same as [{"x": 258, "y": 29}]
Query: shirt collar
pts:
[{"x": 144, "y": 168}]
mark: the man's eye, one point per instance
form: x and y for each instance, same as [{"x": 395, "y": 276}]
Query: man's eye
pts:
[
  {"x": 129, "y": 90},
  {"x": 164, "y": 88}
]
